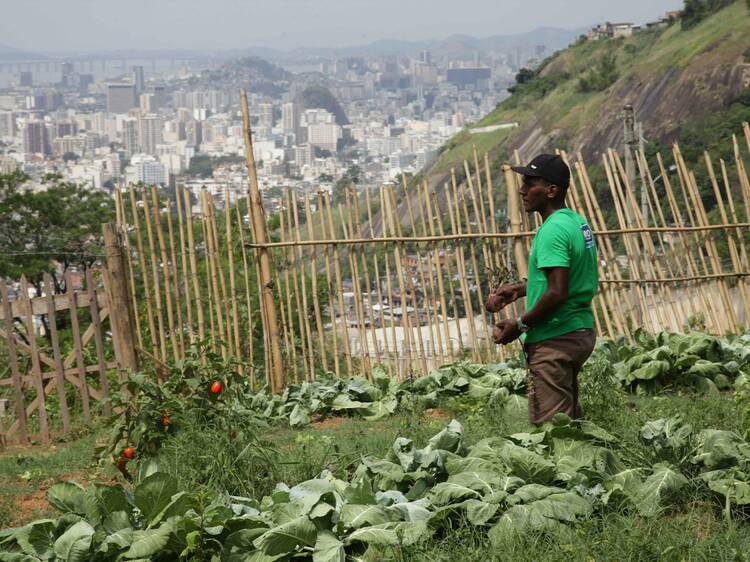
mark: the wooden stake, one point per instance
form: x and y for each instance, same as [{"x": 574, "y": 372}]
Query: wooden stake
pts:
[
  {"x": 18, "y": 396},
  {"x": 259, "y": 235},
  {"x": 36, "y": 368},
  {"x": 155, "y": 278}
]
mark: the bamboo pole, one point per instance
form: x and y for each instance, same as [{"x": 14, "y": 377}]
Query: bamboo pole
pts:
[
  {"x": 329, "y": 286},
  {"x": 155, "y": 278},
  {"x": 259, "y": 229},
  {"x": 123, "y": 227},
  {"x": 98, "y": 342},
  {"x": 357, "y": 297},
  {"x": 165, "y": 271},
  {"x": 395, "y": 224},
  {"x": 184, "y": 251},
  {"x": 300, "y": 271},
  {"x": 288, "y": 289},
  {"x": 439, "y": 273},
  {"x": 248, "y": 301},
  {"x": 368, "y": 286},
  {"x": 144, "y": 273},
  {"x": 176, "y": 274},
  {"x": 689, "y": 263},
  {"x": 326, "y": 203},
  {"x": 232, "y": 277},
  {"x": 455, "y": 218},
  {"x": 378, "y": 284},
  {"x": 448, "y": 264},
  {"x": 194, "y": 268},
  {"x": 420, "y": 273},
  {"x": 208, "y": 267},
  {"x": 478, "y": 214},
  {"x": 314, "y": 286},
  {"x": 217, "y": 276},
  {"x": 225, "y": 299}
]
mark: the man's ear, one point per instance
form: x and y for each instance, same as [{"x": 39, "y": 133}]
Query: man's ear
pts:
[{"x": 554, "y": 191}]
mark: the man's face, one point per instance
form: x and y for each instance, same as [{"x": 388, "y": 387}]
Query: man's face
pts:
[{"x": 534, "y": 193}]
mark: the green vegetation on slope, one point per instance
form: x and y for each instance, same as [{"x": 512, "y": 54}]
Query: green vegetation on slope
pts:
[{"x": 570, "y": 90}]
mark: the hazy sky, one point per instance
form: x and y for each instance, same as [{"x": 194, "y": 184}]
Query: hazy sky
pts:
[{"x": 52, "y": 25}]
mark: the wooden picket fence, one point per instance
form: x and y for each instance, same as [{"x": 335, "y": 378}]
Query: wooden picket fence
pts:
[{"x": 38, "y": 370}]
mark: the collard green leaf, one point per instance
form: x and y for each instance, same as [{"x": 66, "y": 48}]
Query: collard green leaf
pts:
[
  {"x": 286, "y": 538},
  {"x": 74, "y": 544},
  {"x": 149, "y": 542},
  {"x": 355, "y": 516},
  {"x": 328, "y": 548},
  {"x": 67, "y": 497},
  {"x": 153, "y": 494},
  {"x": 37, "y": 539},
  {"x": 653, "y": 495},
  {"x": 527, "y": 465},
  {"x": 309, "y": 493}
]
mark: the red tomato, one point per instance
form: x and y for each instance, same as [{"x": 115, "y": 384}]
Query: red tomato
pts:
[
  {"x": 216, "y": 387},
  {"x": 165, "y": 420},
  {"x": 128, "y": 453}
]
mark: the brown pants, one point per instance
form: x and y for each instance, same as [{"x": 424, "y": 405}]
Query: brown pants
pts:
[{"x": 553, "y": 367}]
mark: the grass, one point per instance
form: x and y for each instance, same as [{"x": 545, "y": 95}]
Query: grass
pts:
[
  {"x": 205, "y": 460},
  {"x": 26, "y": 473}
]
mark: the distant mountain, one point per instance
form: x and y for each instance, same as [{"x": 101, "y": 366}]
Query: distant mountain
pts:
[
  {"x": 12, "y": 54},
  {"x": 453, "y": 46}
]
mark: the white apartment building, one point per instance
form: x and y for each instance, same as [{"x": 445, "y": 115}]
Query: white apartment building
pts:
[{"x": 147, "y": 169}]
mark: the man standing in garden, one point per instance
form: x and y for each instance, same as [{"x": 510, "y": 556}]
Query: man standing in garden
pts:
[{"x": 557, "y": 326}]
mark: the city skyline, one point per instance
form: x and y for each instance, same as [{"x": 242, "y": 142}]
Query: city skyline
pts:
[{"x": 320, "y": 24}]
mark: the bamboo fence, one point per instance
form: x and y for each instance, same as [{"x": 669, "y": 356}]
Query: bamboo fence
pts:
[{"x": 398, "y": 275}]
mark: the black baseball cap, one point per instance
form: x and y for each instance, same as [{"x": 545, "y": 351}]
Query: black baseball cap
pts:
[{"x": 550, "y": 167}]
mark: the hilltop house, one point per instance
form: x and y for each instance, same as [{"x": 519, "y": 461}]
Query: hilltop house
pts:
[{"x": 608, "y": 30}]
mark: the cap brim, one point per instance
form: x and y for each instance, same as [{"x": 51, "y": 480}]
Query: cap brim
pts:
[{"x": 525, "y": 171}]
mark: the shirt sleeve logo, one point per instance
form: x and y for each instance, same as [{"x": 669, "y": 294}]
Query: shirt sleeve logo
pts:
[{"x": 588, "y": 236}]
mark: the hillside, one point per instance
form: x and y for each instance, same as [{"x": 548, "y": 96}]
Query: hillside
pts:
[{"x": 676, "y": 80}]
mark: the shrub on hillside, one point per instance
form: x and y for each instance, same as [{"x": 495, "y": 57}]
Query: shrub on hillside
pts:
[
  {"x": 695, "y": 11},
  {"x": 601, "y": 77}
]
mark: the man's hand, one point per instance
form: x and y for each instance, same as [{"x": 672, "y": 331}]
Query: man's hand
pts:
[
  {"x": 501, "y": 296},
  {"x": 505, "y": 332}
]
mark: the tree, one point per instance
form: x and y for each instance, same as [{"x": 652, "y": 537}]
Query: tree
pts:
[
  {"x": 49, "y": 230},
  {"x": 524, "y": 75},
  {"x": 70, "y": 157}
]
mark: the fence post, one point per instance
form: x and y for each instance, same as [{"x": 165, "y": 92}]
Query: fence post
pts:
[
  {"x": 514, "y": 214},
  {"x": 260, "y": 236},
  {"x": 120, "y": 310}
]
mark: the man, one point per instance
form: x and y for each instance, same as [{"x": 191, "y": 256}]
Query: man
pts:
[{"x": 557, "y": 327}]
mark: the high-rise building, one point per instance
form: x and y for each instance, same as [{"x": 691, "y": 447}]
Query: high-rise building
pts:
[
  {"x": 120, "y": 97},
  {"x": 266, "y": 115},
  {"x": 425, "y": 57},
  {"x": 151, "y": 129},
  {"x": 324, "y": 135},
  {"x": 147, "y": 103},
  {"x": 145, "y": 169},
  {"x": 290, "y": 116},
  {"x": 26, "y": 79},
  {"x": 36, "y": 138},
  {"x": 8, "y": 165},
  {"x": 68, "y": 77},
  {"x": 130, "y": 137},
  {"x": 137, "y": 77},
  {"x": 7, "y": 124}
]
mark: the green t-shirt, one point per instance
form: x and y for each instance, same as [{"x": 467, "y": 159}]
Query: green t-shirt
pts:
[{"x": 564, "y": 240}]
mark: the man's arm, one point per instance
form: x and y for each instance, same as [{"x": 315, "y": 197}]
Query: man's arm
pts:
[
  {"x": 556, "y": 294},
  {"x": 552, "y": 299},
  {"x": 505, "y": 294}
]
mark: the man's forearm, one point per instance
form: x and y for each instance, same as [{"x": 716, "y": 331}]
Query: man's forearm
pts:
[{"x": 520, "y": 289}]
